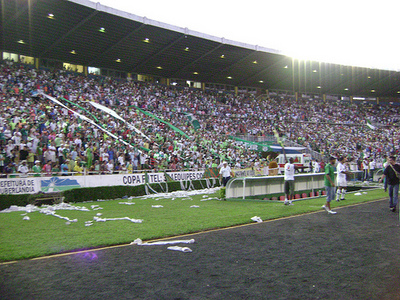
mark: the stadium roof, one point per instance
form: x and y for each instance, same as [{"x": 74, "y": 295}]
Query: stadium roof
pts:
[{"x": 90, "y": 34}]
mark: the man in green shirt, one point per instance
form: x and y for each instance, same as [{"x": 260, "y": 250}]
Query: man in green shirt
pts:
[
  {"x": 37, "y": 169},
  {"x": 330, "y": 184}
]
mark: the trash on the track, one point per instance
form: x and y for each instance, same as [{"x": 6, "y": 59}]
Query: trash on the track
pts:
[
  {"x": 139, "y": 242},
  {"x": 257, "y": 219},
  {"x": 182, "y": 249}
]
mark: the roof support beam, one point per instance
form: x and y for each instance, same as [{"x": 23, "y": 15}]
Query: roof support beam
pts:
[
  {"x": 196, "y": 60},
  {"x": 259, "y": 73},
  {"x": 144, "y": 62},
  {"x": 73, "y": 29},
  {"x": 234, "y": 64},
  {"x": 18, "y": 13},
  {"x": 109, "y": 49},
  {"x": 382, "y": 80}
]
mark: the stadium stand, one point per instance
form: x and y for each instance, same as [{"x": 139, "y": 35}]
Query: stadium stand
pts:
[{"x": 36, "y": 129}]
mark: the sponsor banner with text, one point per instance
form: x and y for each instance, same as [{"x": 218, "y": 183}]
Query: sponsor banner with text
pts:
[{"x": 33, "y": 185}]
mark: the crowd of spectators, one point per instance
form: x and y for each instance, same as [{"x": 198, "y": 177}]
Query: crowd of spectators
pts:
[{"x": 38, "y": 136}]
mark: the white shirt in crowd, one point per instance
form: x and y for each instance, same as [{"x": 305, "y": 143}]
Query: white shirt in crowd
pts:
[
  {"x": 316, "y": 167},
  {"x": 23, "y": 169},
  {"x": 372, "y": 165}
]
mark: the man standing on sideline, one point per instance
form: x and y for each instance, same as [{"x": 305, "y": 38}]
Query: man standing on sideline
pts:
[
  {"x": 342, "y": 171},
  {"x": 365, "y": 164},
  {"x": 289, "y": 181},
  {"x": 316, "y": 166},
  {"x": 392, "y": 174},
  {"x": 372, "y": 165},
  {"x": 330, "y": 184},
  {"x": 225, "y": 173}
]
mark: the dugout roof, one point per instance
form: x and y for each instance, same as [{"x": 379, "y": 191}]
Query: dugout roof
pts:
[{"x": 71, "y": 31}]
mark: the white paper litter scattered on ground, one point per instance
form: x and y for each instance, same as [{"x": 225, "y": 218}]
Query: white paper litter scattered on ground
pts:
[
  {"x": 31, "y": 208},
  {"x": 182, "y": 249},
  {"x": 97, "y": 219},
  {"x": 208, "y": 199},
  {"x": 181, "y": 194},
  {"x": 139, "y": 242},
  {"x": 53, "y": 213},
  {"x": 195, "y": 206},
  {"x": 50, "y": 210},
  {"x": 96, "y": 207},
  {"x": 357, "y": 194},
  {"x": 157, "y": 206},
  {"x": 127, "y": 203},
  {"x": 257, "y": 219},
  {"x": 365, "y": 193}
]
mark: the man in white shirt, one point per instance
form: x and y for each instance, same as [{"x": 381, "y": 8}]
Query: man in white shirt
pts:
[
  {"x": 316, "y": 166},
  {"x": 289, "y": 181},
  {"x": 341, "y": 181},
  {"x": 372, "y": 166},
  {"x": 23, "y": 169},
  {"x": 225, "y": 173},
  {"x": 365, "y": 168}
]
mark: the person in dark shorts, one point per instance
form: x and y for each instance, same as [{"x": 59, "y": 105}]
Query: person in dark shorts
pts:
[
  {"x": 392, "y": 174},
  {"x": 225, "y": 173},
  {"x": 289, "y": 181},
  {"x": 330, "y": 185}
]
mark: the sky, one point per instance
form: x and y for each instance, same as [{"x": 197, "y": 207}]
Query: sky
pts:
[{"x": 352, "y": 32}]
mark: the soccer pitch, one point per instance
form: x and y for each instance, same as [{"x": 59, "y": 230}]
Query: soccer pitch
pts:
[{"x": 31, "y": 231}]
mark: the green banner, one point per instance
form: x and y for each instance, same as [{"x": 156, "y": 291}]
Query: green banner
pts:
[
  {"x": 93, "y": 116},
  {"x": 162, "y": 121}
]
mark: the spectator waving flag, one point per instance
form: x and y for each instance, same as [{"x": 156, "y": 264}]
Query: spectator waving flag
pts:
[
  {"x": 192, "y": 119},
  {"x": 370, "y": 125}
]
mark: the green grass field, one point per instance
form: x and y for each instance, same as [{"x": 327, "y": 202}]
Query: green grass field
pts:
[{"x": 45, "y": 234}]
